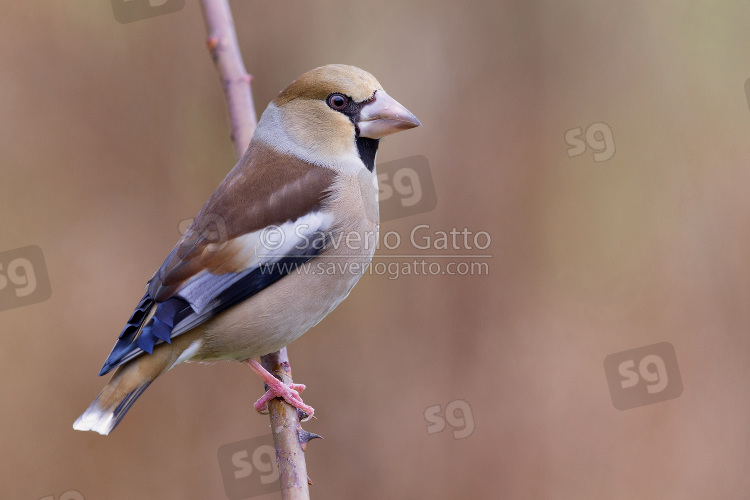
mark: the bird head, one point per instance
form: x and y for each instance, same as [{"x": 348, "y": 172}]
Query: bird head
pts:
[{"x": 333, "y": 115}]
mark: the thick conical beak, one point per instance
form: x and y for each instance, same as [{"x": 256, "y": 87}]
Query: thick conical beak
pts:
[{"x": 384, "y": 116}]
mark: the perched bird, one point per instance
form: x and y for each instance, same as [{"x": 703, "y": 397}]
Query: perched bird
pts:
[{"x": 279, "y": 244}]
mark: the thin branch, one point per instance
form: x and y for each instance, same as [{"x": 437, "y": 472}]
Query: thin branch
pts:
[
  {"x": 237, "y": 83},
  {"x": 289, "y": 438}
]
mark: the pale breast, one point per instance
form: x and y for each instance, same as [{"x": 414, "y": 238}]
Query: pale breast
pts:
[{"x": 285, "y": 310}]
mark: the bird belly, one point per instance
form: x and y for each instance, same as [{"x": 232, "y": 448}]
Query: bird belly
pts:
[{"x": 281, "y": 313}]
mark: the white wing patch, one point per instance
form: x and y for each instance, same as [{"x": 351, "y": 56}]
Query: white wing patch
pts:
[
  {"x": 273, "y": 243},
  {"x": 267, "y": 246}
]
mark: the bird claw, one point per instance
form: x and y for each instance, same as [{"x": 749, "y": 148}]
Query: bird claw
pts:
[{"x": 278, "y": 389}]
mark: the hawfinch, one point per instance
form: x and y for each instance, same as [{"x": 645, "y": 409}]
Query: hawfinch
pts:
[{"x": 280, "y": 243}]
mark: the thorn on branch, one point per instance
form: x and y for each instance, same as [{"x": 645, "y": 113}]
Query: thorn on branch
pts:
[
  {"x": 305, "y": 437},
  {"x": 304, "y": 417}
]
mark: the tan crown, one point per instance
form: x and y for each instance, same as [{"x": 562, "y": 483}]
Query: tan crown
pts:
[{"x": 320, "y": 82}]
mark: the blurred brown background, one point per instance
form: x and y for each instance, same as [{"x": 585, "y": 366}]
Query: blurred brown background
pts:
[{"x": 112, "y": 133}]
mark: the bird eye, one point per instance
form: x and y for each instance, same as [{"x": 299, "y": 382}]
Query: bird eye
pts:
[{"x": 337, "y": 101}]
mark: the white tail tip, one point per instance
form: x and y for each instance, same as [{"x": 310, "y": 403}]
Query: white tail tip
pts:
[{"x": 96, "y": 420}]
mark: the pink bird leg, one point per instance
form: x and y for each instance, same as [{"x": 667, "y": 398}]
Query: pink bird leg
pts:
[{"x": 278, "y": 389}]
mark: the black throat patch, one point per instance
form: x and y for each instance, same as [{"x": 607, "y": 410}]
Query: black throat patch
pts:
[{"x": 367, "y": 148}]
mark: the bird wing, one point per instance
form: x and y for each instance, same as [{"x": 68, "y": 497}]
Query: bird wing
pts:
[{"x": 266, "y": 218}]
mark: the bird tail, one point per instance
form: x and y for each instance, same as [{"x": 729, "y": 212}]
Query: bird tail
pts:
[
  {"x": 110, "y": 406},
  {"x": 128, "y": 383}
]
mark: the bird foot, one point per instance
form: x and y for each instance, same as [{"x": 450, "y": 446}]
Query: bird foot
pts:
[{"x": 278, "y": 389}]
